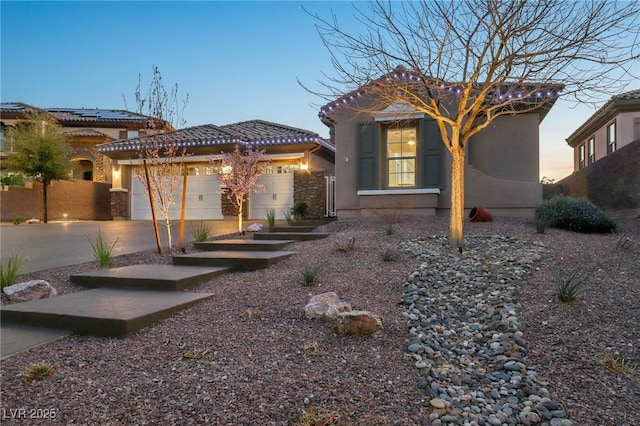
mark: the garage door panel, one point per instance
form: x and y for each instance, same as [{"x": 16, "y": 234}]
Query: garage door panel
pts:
[
  {"x": 202, "y": 201},
  {"x": 278, "y": 195}
]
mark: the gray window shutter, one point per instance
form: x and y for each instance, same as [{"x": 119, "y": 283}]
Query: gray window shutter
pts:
[
  {"x": 432, "y": 156},
  {"x": 368, "y": 141}
]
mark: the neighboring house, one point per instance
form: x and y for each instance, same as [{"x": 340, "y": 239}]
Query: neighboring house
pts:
[
  {"x": 615, "y": 125},
  {"x": 300, "y": 161},
  {"x": 394, "y": 157},
  {"x": 607, "y": 157},
  {"x": 85, "y": 129}
]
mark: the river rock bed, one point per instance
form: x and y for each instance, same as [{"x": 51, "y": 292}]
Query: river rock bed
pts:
[{"x": 464, "y": 335}]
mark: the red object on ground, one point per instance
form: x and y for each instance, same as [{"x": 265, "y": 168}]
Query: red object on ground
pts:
[{"x": 480, "y": 214}]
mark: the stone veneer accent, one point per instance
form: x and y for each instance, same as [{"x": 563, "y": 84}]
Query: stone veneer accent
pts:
[
  {"x": 119, "y": 204},
  {"x": 309, "y": 186},
  {"x": 228, "y": 209}
]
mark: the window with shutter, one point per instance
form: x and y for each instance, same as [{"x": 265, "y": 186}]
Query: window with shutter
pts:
[{"x": 408, "y": 155}]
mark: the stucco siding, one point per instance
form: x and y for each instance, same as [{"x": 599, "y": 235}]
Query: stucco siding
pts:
[{"x": 508, "y": 148}]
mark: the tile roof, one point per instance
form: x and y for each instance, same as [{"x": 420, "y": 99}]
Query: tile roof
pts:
[
  {"x": 85, "y": 133},
  {"x": 253, "y": 132},
  {"x": 631, "y": 95},
  {"x": 622, "y": 102}
]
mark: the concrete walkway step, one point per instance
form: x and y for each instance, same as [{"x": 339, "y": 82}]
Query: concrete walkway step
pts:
[
  {"x": 298, "y": 236},
  {"x": 16, "y": 338},
  {"x": 148, "y": 277},
  {"x": 101, "y": 312},
  {"x": 292, "y": 228},
  {"x": 238, "y": 260},
  {"x": 312, "y": 222},
  {"x": 240, "y": 245}
]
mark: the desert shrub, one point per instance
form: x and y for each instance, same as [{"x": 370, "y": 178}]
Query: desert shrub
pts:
[
  {"x": 568, "y": 285},
  {"x": 200, "y": 231},
  {"x": 390, "y": 255},
  {"x": 102, "y": 251},
  {"x": 310, "y": 275},
  {"x": 574, "y": 214},
  {"x": 300, "y": 210},
  {"x": 9, "y": 272},
  {"x": 270, "y": 215},
  {"x": 17, "y": 219},
  {"x": 542, "y": 222},
  {"x": 37, "y": 371},
  {"x": 390, "y": 229}
]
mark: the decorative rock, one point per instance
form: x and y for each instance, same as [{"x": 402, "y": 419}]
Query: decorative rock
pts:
[
  {"x": 30, "y": 290},
  {"x": 437, "y": 403},
  {"x": 325, "y": 305},
  {"x": 32, "y": 221},
  {"x": 462, "y": 321},
  {"x": 254, "y": 227},
  {"x": 358, "y": 323}
]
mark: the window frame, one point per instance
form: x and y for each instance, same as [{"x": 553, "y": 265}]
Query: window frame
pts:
[
  {"x": 611, "y": 137},
  {"x": 591, "y": 150},
  {"x": 408, "y": 125},
  {"x": 581, "y": 156}
]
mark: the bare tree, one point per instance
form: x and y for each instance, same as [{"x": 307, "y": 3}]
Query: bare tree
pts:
[
  {"x": 161, "y": 152},
  {"x": 238, "y": 175},
  {"x": 466, "y": 63}
]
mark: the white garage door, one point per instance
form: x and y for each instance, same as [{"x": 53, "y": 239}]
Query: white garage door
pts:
[
  {"x": 203, "y": 200},
  {"x": 278, "y": 193}
]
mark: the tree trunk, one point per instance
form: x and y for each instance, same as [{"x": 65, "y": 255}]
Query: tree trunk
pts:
[
  {"x": 456, "y": 223},
  {"x": 167, "y": 223},
  {"x": 183, "y": 209},
  {"x": 44, "y": 201},
  {"x": 153, "y": 207},
  {"x": 240, "y": 219}
]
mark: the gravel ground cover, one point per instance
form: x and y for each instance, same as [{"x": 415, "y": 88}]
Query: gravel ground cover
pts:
[{"x": 248, "y": 356}]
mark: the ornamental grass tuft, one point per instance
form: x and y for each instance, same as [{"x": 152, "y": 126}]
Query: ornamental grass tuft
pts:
[
  {"x": 9, "y": 272},
  {"x": 568, "y": 286},
  {"x": 310, "y": 275},
  {"x": 102, "y": 251},
  {"x": 200, "y": 231},
  {"x": 270, "y": 215},
  {"x": 37, "y": 371}
]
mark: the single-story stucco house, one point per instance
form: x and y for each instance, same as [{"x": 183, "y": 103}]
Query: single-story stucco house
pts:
[
  {"x": 301, "y": 162},
  {"x": 388, "y": 156}
]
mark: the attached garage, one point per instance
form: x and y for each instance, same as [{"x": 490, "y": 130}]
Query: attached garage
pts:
[{"x": 288, "y": 149}]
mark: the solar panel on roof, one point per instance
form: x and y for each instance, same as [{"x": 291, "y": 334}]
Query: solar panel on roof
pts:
[{"x": 12, "y": 106}]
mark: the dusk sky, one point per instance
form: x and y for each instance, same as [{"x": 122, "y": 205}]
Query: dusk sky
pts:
[{"x": 237, "y": 61}]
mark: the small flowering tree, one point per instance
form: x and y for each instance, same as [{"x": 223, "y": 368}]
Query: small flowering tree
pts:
[
  {"x": 239, "y": 173},
  {"x": 162, "y": 156}
]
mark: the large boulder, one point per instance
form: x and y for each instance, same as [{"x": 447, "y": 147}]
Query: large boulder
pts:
[
  {"x": 30, "y": 290},
  {"x": 326, "y": 306},
  {"x": 358, "y": 323}
]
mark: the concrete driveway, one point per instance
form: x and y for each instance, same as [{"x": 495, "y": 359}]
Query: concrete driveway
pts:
[{"x": 59, "y": 244}]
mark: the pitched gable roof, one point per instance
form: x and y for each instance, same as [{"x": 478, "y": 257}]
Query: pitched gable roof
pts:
[
  {"x": 253, "y": 132},
  {"x": 623, "y": 102},
  {"x": 512, "y": 94}
]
